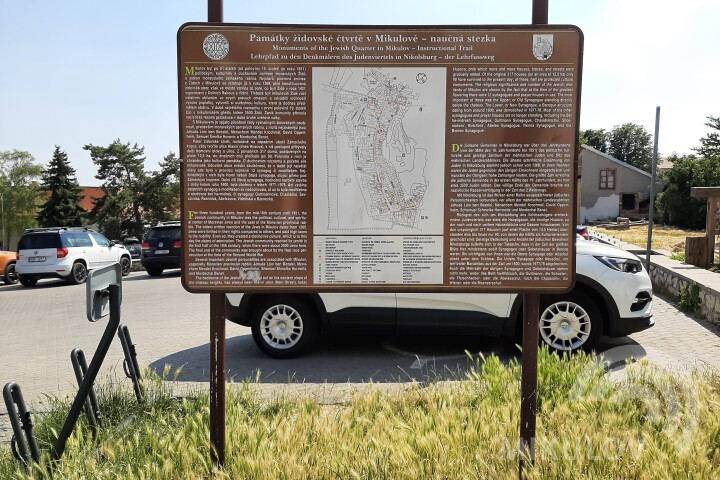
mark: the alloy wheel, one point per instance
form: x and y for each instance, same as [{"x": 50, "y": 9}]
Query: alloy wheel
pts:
[
  {"x": 281, "y": 326},
  {"x": 565, "y": 325},
  {"x": 79, "y": 273}
]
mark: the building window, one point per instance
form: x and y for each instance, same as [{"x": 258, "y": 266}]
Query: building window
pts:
[{"x": 607, "y": 179}]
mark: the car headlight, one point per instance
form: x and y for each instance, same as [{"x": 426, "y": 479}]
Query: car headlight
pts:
[{"x": 622, "y": 264}]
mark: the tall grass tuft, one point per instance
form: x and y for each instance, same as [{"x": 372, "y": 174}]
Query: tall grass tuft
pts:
[{"x": 651, "y": 424}]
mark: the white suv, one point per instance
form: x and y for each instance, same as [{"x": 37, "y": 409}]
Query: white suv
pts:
[
  {"x": 67, "y": 253},
  {"x": 612, "y": 296}
]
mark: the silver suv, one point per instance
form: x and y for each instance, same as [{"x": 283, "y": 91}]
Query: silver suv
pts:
[
  {"x": 612, "y": 296},
  {"x": 67, "y": 253}
]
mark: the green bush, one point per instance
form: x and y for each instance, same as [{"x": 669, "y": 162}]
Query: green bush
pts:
[
  {"x": 690, "y": 298},
  {"x": 675, "y": 204}
]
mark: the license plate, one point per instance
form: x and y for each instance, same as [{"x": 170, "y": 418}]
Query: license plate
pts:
[
  {"x": 162, "y": 252},
  {"x": 36, "y": 259}
]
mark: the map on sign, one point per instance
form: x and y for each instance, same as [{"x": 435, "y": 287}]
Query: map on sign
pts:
[{"x": 379, "y": 138}]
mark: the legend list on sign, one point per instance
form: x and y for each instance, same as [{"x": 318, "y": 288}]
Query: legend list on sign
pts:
[{"x": 378, "y": 260}]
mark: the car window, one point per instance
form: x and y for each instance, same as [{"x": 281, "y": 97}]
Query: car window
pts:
[
  {"x": 102, "y": 241},
  {"x": 68, "y": 240},
  {"x": 82, "y": 239},
  {"x": 171, "y": 233},
  {"x": 38, "y": 241}
]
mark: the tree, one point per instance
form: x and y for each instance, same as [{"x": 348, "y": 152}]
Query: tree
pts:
[
  {"x": 161, "y": 192},
  {"x": 710, "y": 143},
  {"x": 19, "y": 193},
  {"x": 597, "y": 139},
  {"x": 62, "y": 208},
  {"x": 631, "y": 144},
  {"x": 121, "y": 167},
  {"x": 675, "y": 203}
]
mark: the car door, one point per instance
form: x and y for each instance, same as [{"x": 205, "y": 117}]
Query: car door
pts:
[
  {"x": 452, "y": 312},
  {"x": 85, "y": 248},
  {"x": 105, "y": 256},
  {"x": 362, "y": 312}
]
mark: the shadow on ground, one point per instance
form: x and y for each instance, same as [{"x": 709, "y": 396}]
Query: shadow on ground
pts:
[
  {"x": 366, "y": 360},
  {"x": 57, "y": 282},
  {"x": 144, "y": 276}
]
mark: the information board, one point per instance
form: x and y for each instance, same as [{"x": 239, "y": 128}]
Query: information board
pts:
[{"x": 378, "y": 158}]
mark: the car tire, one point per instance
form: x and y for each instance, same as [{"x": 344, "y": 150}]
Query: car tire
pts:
[
  {"x": 11, "y": 277},
  {"x": 27, "y": 281},
  {"x": 284, "y": 327},
  {"x": 570, "y": 322},
  {"x": 78, "y": 273},
  {"x": 125, "y": 265},
  {"x": 154, "y": 271}
]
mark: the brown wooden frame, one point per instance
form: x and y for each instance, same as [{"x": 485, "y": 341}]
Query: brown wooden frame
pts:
[{"x": 614, "y": 179}]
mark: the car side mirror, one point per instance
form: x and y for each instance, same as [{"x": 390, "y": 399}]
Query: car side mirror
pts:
[{"x": 113, "y": 243}]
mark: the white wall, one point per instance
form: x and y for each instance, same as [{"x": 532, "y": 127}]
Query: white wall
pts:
[{"x": 605, "y": 207}]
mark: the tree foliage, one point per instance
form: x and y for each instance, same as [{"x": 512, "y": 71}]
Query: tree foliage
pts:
[
  {"x": 675, "y": 203},
  {"x": 597, "y": 139},
  {"x": 710, "y": 143},
  {"x": 133, "y": 197},
  {"x": 19, "y": 193},
  {"x": 121, "y": 168},
  {"x": 62, "y": 207},
  {"x": 161, "y": 192},
  {"x": 631, "y": 144}
]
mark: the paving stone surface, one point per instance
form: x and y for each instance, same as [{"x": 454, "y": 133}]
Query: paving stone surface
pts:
[{"x": 41, "y": 325}]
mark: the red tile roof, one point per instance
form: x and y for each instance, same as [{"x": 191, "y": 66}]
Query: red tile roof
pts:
[{"x": 91, "y": 194}]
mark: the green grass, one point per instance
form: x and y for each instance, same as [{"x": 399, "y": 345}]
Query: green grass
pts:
[{"x": 653, "y": 425}]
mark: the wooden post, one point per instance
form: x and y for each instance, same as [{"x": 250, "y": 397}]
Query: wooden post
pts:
[
  {"x": 712, "y": 194},
  {"x": 711, "y": 228},
  {"x": 528, "y": 381},
  {"x": 696, "y": 251},
  {"x": 531, "y": 329},
  {"x": 217, "y": 378},
  {"x": 217, "y": 336}
]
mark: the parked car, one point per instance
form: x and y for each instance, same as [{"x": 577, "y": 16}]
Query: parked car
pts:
[
  {"x": 162, "y": 248},
  {"x": 612, "y": 296},
  {"x": 7, "y": 268},
  {"x": 67, "y": 253},
  {"x": 582, "y": 230},
  {"x": 133, "y": 246}
]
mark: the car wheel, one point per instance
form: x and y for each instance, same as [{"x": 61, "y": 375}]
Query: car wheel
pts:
[
  {"x": 28, "y": 281},
  {"x": 125, "y": 265},
  {"x": 78, "y": 274},
  {"x": 570, "y": 322},
  {"x": 11, "y": 277},
  {"x": 284, "y": 327},
  {"x": 154, "y": 271}
]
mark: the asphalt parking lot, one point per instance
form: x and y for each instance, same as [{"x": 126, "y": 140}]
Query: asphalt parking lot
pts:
[{"x": 41, "y": 325}]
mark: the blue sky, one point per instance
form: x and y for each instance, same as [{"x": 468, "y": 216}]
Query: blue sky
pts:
[{"x": 87, "y": 72}]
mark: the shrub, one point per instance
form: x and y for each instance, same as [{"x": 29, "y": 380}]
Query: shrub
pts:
[{"x": 690, "y": 298}]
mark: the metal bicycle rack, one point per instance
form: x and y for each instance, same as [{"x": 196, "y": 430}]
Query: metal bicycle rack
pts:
[
  {"x": 23, "y": 443},
  {"x": 104, "y": 296},
  {"x": 130, "y": 364},
  {"x": 92, "y": 410}
]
